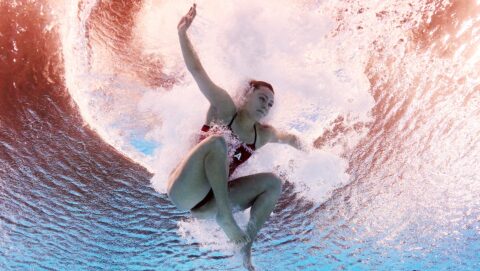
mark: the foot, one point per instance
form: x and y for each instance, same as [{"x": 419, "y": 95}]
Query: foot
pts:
[
  {"x": 246, "y": 252},
  {"x": 232, "y": 230}
]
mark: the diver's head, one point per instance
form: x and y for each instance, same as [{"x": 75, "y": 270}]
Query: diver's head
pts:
[{"x": 259, "y": 99}]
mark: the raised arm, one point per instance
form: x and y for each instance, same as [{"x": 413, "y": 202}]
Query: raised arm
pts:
[{"x": 218, "y": 97}]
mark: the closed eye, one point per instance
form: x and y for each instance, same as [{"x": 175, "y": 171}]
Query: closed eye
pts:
[{"x": 264, "y": 99}]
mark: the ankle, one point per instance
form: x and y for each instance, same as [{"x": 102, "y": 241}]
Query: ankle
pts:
[{"x": 252, "y": 229}]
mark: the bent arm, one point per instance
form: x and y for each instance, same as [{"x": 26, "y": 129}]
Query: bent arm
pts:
[
  {"x": 218, "y": 97},
  {"x": 276, "y": 136}
]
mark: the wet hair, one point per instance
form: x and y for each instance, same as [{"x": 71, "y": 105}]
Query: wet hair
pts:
[
  {"x": 248, "y": 87},
  {"x": 256, "y": 84}
]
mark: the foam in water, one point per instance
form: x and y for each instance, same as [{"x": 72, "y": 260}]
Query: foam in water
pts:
[{"x": 235, "y": 41}]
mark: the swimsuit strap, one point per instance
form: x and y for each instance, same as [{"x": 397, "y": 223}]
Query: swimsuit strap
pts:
[
  {"x": 231, "y": 122},
  {"x": 255, "y": 140}
]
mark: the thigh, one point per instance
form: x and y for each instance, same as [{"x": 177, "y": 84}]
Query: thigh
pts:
[
  {"x": 188, "y": 183},
  {"x": 242, "y": 193}
]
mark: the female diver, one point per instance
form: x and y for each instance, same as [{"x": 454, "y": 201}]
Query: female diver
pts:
[{"x": 200, "y": 183}]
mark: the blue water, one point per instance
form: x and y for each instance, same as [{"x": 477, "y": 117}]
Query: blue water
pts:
[
  {"x": 144, "y": 146},
  {"x": 132, "y": 228}
]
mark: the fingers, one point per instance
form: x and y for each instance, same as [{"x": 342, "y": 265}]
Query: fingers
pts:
[
  {"x": 186, "y": 20},
  {"x": 192, "y": 12}
]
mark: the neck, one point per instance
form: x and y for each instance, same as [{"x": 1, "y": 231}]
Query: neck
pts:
[{"x": 244, "y": 121}]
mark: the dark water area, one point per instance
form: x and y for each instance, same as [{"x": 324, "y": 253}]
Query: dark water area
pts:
[{"x": 62, "y": 189}]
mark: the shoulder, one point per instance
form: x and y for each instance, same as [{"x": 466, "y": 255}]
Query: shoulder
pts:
[
  {"x": 220, "y": 115},
  {"x": 266, "y": 133}
]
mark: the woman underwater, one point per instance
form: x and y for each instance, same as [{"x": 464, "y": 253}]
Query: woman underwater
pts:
[{"x": 200, "y": 183}]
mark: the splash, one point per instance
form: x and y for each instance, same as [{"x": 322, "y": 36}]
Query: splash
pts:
[
  {"x": 349, "y": 76},
  {"x": 389, "y": 92},
  {"x": 246, "y": 40}
]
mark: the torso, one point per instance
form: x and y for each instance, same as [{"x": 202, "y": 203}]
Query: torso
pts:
[
  {"x": 215, "y": 116},
  {"x": 239, "y": 153}
]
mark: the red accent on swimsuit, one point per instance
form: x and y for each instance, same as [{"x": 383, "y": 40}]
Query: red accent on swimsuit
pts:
[{"x": 241, "y": 154}]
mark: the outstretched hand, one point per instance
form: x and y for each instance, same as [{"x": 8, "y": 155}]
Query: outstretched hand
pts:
[{"x": 187, "y": 20}]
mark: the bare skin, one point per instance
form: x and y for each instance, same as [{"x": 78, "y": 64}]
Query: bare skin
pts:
[{"x": 205, "y": 167}]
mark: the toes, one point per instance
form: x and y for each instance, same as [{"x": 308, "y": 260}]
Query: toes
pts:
[{"x": 240, "y": 241}]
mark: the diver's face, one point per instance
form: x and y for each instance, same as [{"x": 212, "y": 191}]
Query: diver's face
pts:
[{"x": 259, "y": 102}]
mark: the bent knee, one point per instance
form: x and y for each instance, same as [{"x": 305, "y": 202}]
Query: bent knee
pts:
[
  {"x": 217, "y": 142},
  {"x": 273, "y": 182}
]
